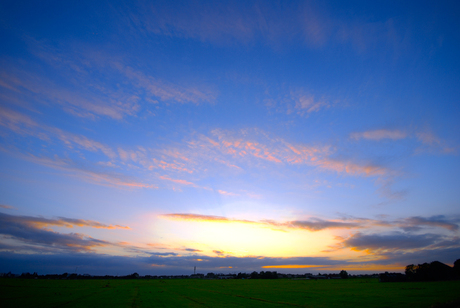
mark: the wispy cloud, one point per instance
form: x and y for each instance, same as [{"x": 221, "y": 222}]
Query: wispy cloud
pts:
[
  {"x": 24, "y": 125},
  {"x": 99, "y": 177},
  {"x": 77, "y": 90},
  {"x": 80, "y": 102},
  {"x": 379, "y": 135},
  {"x": 226, "y": 193},
  {"x": 197, "y": 217},
  {"x": 249, "y": 23},
  {"x": 236, "y": 152},
  {"x": 299, "y": 101},
  {"x": 428, "y": 140},
  {"x": 40, "y": 222},
  {"x": 166, "y": 91},
  {"x": 431, "y": 143},
  {"x": 5, "y": 206},
  {"x": 441, "y": 221}
]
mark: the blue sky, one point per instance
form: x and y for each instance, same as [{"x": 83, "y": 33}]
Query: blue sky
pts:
[{"x": 232, "y": 136}]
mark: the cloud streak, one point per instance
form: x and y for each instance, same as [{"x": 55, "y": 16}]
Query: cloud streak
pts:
[
  {"x": 379, "y": 135},
  {"x": 429, "y": 141},
  {"x": 40, "y": 222},
  {"x": 317, "y": 224},
  {"x": 275, "y": 25},
  {"x": 24, "y": 125}
]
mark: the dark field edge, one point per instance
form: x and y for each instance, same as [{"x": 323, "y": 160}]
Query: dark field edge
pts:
[{"x": 450, "y": 304}]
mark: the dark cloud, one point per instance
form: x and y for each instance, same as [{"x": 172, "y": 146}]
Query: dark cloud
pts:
[
  {"x": 192, "y": 250},
  {"x": 40, "y": 222},
  {"x": 445, "y": 255},
  {"x": 27, "y": 230},
  {"x": 319, "y": 224},
  {"x": 441, "y": 221},
  {"x": 393, "y": 241}
]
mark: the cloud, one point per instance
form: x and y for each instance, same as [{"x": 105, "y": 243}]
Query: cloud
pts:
[
  {"x": 220, "y": 23},
  {"x": 390, "y": 242},
  {"x": 247, "y": 148},
  {"x": 379, "y": 135},
  {"x": 428, "y": 138},
  {"x": 197, "y": 217},
  {"x": 226, "y": 193},
  {"x": 313, "y": 224},
  {"x": 433, "y": 144},
  {"x": 440, "y": 221},
  {"x": 99, "y": 177},
  {"x": 305, "y": 103},
  {"x": 73, "y": 98},
  {"x": 31, "y": 231},
  {"x": 351, "y": 168},
  {"x": 259, "y": 22},
  {"x": 298, "y": 101},
  {"x": 316, "y": 224},
  {"x": 429, "y": 141},
  {"x": 166, "y": 91},
  {"x": 91, "y": 83},
  {"x": 24, "y": 125},
  {"x": 8, "y": 207},
  {"x": 40, "y": 222},
  {"x": 178, "y": 181}
]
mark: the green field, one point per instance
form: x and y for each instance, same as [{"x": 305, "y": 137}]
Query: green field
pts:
[{"x": 223, "y": 293}]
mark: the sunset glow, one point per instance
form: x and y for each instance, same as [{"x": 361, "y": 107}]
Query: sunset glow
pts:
[{"x": 234, "y": 136}]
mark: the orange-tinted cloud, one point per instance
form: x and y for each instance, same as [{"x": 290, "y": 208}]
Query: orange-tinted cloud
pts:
[
  {"x": 351, "y": 168},
  {"x": 226, "y": 193},
  {"x": 177, "y": 181}
]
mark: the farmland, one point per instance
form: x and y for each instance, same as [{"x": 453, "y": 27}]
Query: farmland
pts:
[{"x": 223, "y": 293}]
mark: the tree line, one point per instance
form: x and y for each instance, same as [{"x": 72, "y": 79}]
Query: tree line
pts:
[{"x": 432, "y": 271}]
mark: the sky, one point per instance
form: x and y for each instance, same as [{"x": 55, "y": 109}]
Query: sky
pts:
[{"x": 234, "y": 136}]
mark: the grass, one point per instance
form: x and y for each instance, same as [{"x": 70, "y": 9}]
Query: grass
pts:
[{"x": 225, "y": 293}]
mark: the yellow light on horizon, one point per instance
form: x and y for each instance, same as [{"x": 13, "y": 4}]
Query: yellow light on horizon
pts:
[
  {"x": 246, "y": 238},
  {"x": 291, "y": 266}
]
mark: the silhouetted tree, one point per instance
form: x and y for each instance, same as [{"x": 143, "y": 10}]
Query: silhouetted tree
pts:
[
  {"x": 242, "y": 276},
  {"x": 429, "y": 271},
  {"x": 343, "y": 274},
  {"x": 457, "y": 268},
  {"x": 211, "y": 275},
  {"x": 411, "y": 272}
]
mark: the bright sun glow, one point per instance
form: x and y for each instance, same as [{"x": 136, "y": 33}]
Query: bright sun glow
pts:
[{"x": 244, "y": 239}]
